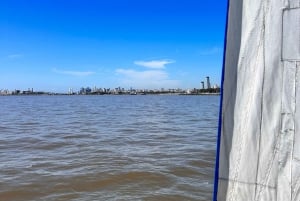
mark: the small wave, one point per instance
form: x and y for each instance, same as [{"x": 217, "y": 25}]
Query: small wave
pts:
[
  {"x": 49, "y": 145},
  {"x": 122, "y": 179},
  {"x": 184, "y": 172},
  {"x": 20, "y": 194},
  {"x": 169, "y": 198}
]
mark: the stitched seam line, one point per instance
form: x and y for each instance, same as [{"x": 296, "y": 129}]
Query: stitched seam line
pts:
[{"x": 247, "y": 183}]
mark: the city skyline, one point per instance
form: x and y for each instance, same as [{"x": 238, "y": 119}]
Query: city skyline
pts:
[
  {"x": 204, "y": 90},
  {"x": 57, "y": 45},
  {"x": 206, "y": 86}
]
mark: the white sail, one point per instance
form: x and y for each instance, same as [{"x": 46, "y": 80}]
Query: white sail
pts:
[{"x": 259, "y": 156}]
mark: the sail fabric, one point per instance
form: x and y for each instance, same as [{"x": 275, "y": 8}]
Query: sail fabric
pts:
[{"x": 259, "y": 156}]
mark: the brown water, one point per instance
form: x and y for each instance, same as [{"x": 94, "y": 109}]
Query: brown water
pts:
[{"x": 107, "y": 147}]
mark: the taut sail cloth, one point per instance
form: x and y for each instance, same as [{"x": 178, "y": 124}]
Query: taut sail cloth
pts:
[{"x": 259, "y": 138}]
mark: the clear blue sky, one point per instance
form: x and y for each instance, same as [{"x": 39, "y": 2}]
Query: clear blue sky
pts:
[{"x": 52, "y": 45}]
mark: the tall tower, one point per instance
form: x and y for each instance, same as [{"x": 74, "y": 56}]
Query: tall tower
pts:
[
  {"x": 208, "y": 82},
  {"x": 202, "y": 84}
]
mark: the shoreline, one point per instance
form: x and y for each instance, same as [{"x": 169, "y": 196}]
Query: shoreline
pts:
[{"x": 155, "y": 94}]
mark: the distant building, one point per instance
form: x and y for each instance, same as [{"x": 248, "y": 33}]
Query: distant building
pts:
[
  {"x": 208, "y": 82},
  {"x": 202, "y": 83}
]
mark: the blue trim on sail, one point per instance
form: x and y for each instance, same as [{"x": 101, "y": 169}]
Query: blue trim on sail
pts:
[{"x": 216, "y": 180}]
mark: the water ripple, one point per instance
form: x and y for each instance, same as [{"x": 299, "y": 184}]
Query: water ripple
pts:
[{"x": 107, "y": 147}]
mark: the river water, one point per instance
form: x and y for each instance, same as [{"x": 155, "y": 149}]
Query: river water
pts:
[{"x": 107, "y": 147}]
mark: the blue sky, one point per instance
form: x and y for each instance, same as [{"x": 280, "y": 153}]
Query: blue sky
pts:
[{"x": 53, "y": 45}]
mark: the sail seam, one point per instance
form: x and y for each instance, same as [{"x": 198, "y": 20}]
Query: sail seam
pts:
[
  {"x": 249, "y": 37},
  {"x": 293, "y": 190},
  {"x": 242, "y": 182},
  {"x": 262, "y": 98}
]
